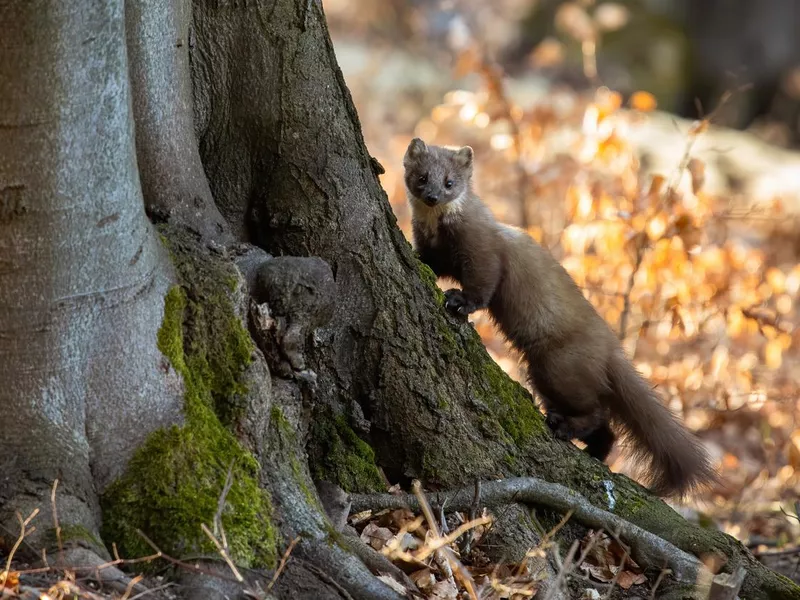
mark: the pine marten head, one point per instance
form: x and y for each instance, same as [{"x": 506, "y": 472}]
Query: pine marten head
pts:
[{"x": 435, "y": 175}]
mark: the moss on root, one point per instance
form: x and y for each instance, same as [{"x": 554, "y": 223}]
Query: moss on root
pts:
[
  {"x": 343, "y": 457},
  {"x": 173, "y": 482},
  {"x": 286, "y": 436},
  {"x": 73, "y": 534}
]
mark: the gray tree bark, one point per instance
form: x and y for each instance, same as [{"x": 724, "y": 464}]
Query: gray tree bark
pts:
[
  {"x": 281, "y": 367},
  {"x": 82, "y": 274}
]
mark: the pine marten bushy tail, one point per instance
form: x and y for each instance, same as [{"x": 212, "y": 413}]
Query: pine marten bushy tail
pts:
[
  {"x": 676, "y": 462},
  {"x": 575, "y": 362}
]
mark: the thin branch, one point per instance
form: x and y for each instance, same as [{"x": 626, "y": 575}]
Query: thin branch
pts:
[
  {"x": 179, "y": 563},
  {"x": 221, "y": 503},
  {"x": 617, "y": 574},
  {"x": 23, "y": 524},
  {"x": 131, "y": 584},
  {"x": 661, "y": 576},
  {"x": 55, "y": 517},
  {"x": 444, "y": 551},
  {"x": 284, "y": 560},
  {"x": 223, "y": 552},
  {"x": 152, "y": 591},
  {"x": 562, "y": 571}
]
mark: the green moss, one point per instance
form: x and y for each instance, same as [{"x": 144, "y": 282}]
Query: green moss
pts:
[
  {"x": 512, "y": 405},
  {"x": 343, "y": 457},
  {"x": 629, "y": 505},
  {"x": 73, "y": 533},
  {"x": 170, "y": 335},
  {"x": 173, "y": 482},
  {"x": 286, "y": 434},
  {"x": 429, "y": 277},
  {"x": 508, "y": 401},
  {"x": 281, "y": 424}
]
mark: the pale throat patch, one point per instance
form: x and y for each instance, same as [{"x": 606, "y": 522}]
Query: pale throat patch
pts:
[{"x": 427, "y": 218}]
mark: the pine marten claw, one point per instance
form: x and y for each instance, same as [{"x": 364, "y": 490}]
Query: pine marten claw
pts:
[{"x": 454, "y": 301}]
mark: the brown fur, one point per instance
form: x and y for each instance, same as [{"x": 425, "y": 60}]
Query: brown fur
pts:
[{"x": 575, "y": 361}]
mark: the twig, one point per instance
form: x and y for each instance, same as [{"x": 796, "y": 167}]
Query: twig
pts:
[
  {"x": 617, "y": 574},
  {"x": 626, "y": 297},
  {"x": 659, "y": 579},
  {"x": 473, "y": 515},
  {"x": 22, "y": 531},
  {"x": 776, "y": 553},
  {"x": 442, "y": 541},
  {"x": 223, "y": 552},
  {"x": 55, "y": 517},
  {"x": 562, "y": 571},
  {"x": 646, "y": 547},
  {"x": 751, "y": 312},
  {"x": 177, "y": 562},
  {"x": 221, "y": 503},
  {"x": 219, "y": 530},
  {"x": 284, "y": 560},
  {"x": 152, "y": 591},
  {"x": 131, "y": 584},
  {"x": 443, "y": 551}
]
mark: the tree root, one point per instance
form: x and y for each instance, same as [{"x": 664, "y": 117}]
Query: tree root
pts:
[
  {"x": 87, "y": 562},
  {"x": 646, "y": 548},
  {"x": 351, "y": 575}
]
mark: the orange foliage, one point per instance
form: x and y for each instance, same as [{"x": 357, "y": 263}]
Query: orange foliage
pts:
[{"x": 710, "y": 318}]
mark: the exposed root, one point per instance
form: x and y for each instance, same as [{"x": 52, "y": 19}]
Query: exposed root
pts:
[{"x": 646, "y": 548}]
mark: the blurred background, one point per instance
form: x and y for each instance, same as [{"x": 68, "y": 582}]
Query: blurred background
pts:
[{"x": 651, "y": 145}]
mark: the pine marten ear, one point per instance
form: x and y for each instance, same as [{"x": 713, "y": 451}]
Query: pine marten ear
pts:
[
  {"x": 416, "y": 149},
  {"x": 464, "y": 157}
]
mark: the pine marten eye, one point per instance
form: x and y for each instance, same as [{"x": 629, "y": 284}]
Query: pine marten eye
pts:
[
  {"x": 423, "y": 178},
  {"x": 448, "y": 184}
]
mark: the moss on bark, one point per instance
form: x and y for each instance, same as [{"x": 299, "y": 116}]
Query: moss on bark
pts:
[
  {"x": 343, "y": 457},
  {"x": 173, "y": 483}
]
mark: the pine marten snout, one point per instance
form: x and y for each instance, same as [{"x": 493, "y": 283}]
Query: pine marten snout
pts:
[{"x": 589, "y": 389}]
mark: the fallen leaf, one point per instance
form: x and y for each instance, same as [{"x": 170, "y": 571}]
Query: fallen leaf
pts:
[
  {"x": 626, "y": 579},
  {"x": 376, "y": 536},
  {"x": 423, "y": 578}
]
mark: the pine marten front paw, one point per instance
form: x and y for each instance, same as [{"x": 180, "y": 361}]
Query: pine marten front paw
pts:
[{"x": 455, "y": 301}]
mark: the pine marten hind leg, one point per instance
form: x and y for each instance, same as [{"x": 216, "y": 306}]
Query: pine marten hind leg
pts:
[
  {"x": 592, "y": 430},
  {"x": 600, "y": 441}
]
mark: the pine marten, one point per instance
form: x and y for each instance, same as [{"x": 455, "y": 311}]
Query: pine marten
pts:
[{"x": 575, "y": 362}]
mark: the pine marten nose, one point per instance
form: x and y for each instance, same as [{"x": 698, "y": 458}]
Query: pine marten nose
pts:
[{"x": 431, "y": 197}]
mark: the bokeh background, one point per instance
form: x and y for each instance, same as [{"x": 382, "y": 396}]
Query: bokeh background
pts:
[{"x": 651, "y": 145}]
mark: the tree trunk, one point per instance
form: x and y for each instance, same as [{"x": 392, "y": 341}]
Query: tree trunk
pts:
[
  {"x": 82, "y": 275},
  {"x": 293, "y": 368}
]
